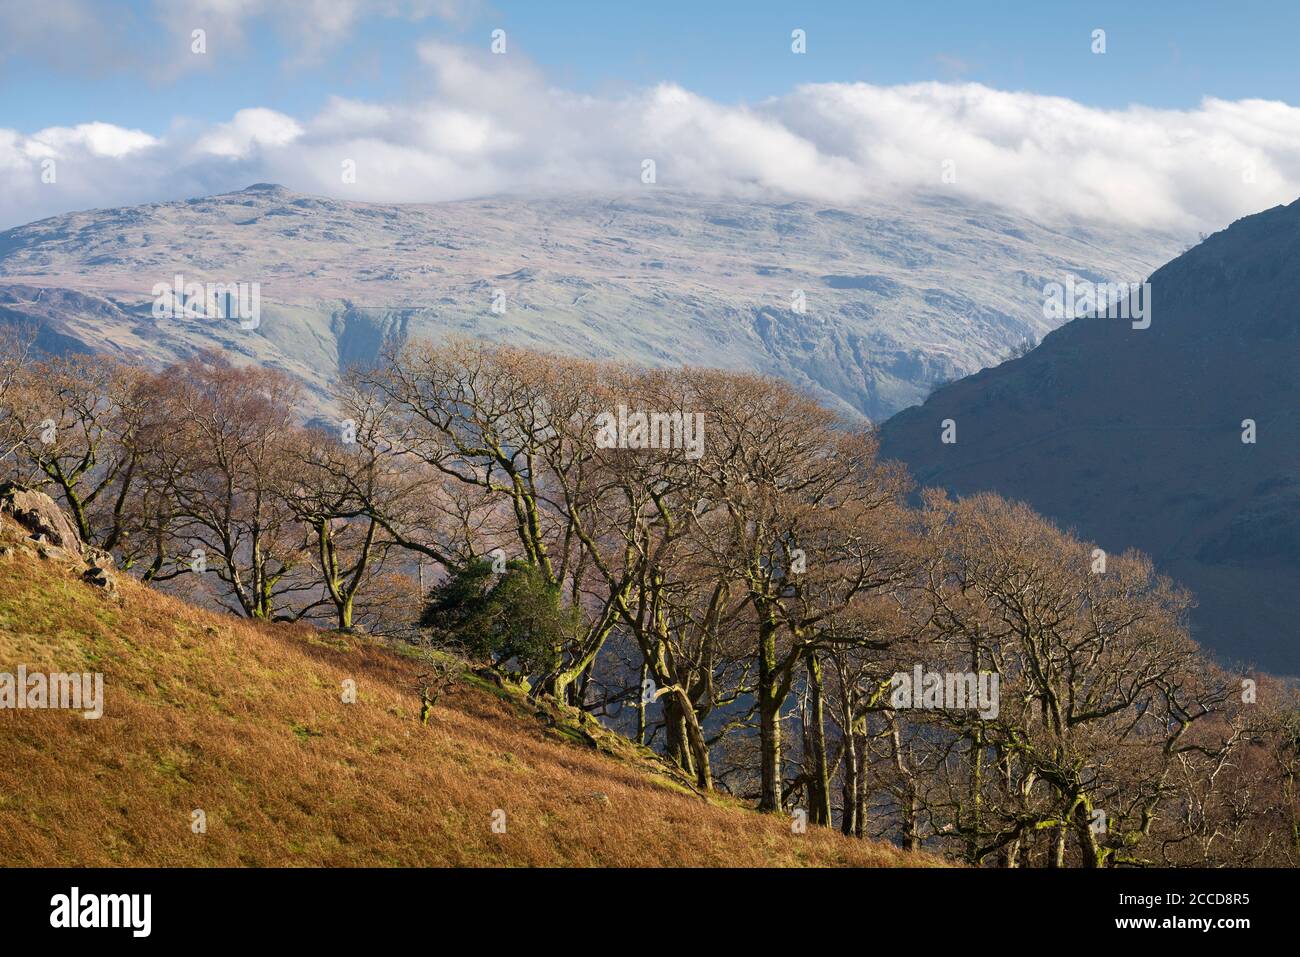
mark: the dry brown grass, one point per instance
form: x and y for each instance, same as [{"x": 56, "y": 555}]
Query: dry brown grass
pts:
[{"x": 247, "y": 723}]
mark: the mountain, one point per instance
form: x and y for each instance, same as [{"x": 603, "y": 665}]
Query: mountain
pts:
[
  {"x": 1135, "y": 436},
  {"x": 247, "y": 723},
  {"x": 899, "y": 295}
]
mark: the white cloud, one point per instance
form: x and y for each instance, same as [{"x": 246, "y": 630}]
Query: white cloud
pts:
[
  {"x": 493, "y": 124},
  {"x": 249, "y": 130},
  {"x": 92, "y": 139}
]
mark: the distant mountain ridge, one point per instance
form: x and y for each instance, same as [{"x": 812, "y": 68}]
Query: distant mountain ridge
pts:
[
  {"x": 896, "y": 296},
  {"x": 1135, "y": 436}
]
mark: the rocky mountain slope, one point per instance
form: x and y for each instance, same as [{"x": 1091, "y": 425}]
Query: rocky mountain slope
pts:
[
  {"x": 1135, "y": 436},
  {"x": 896, "y": 296}
]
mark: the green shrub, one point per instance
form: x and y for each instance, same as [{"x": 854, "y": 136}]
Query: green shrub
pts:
[{"x": 515, "y": 616}]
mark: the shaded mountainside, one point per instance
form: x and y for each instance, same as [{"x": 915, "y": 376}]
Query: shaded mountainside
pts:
[
  {"x": 246, "y": 722},
  {"x": 1134, "y": 436},
  {"x": 899, "y": 295}
]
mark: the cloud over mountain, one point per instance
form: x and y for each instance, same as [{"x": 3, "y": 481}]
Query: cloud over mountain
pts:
[{"x": 491, "y": 123}]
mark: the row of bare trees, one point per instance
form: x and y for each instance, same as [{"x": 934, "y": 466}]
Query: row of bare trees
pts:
[
  {"x": 199, "y": 474},
  {"x": 742, "y": 598}
]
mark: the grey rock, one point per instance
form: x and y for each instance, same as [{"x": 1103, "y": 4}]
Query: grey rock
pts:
[
  {"x": 101, "y": 578},
  {"x": 40, "y": 516}
]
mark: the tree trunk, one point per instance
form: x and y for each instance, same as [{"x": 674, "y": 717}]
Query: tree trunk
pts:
[
  {"x": 849, "y": 790},
  {"x": 819, "y": 787},
  {"x": 698, "y": 746},
  {"x": 769, "y": 723},
  {"x": 1058, "y": 849},
  {"x": 640, "y": 705},
  {"x": 675, "y": 732},
  {"x": 854, "y": 783},
  {"x": 1088, "y": 847},
  {"x": 911, "y": 807}
]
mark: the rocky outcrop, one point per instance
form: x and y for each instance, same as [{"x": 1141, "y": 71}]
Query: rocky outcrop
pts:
[
  {"x": 40, "y": 516},
  {"x": 53, "y": 535}
]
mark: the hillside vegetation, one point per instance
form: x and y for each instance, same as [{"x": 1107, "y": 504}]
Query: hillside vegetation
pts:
[
  {"x": 246, "y": 722},
  {"x": 705, "y": 561}
]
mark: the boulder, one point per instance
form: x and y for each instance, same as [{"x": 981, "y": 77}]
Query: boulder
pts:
[
  {"x": 40, "y": 516},
  {"x": 100, "y": 578},
  {"x": 98, "y": 556},
  {"x": 54, "y": 536},
  {"x": 53, "y": 553}
]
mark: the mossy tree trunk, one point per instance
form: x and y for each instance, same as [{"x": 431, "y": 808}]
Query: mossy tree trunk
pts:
[{"x": 819, "y": 785}]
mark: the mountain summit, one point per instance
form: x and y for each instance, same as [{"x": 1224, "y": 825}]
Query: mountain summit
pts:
[{"x": 274, "y": 189}]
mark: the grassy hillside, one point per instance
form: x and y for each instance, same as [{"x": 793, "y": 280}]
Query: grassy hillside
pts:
[{"x": 247, "y": 723}]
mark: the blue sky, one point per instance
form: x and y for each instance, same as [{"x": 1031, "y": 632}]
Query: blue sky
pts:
[{"x": 1159, "y": 54}]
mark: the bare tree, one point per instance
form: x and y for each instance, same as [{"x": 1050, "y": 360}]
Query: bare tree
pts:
[{"x": 223, "y": 470}]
